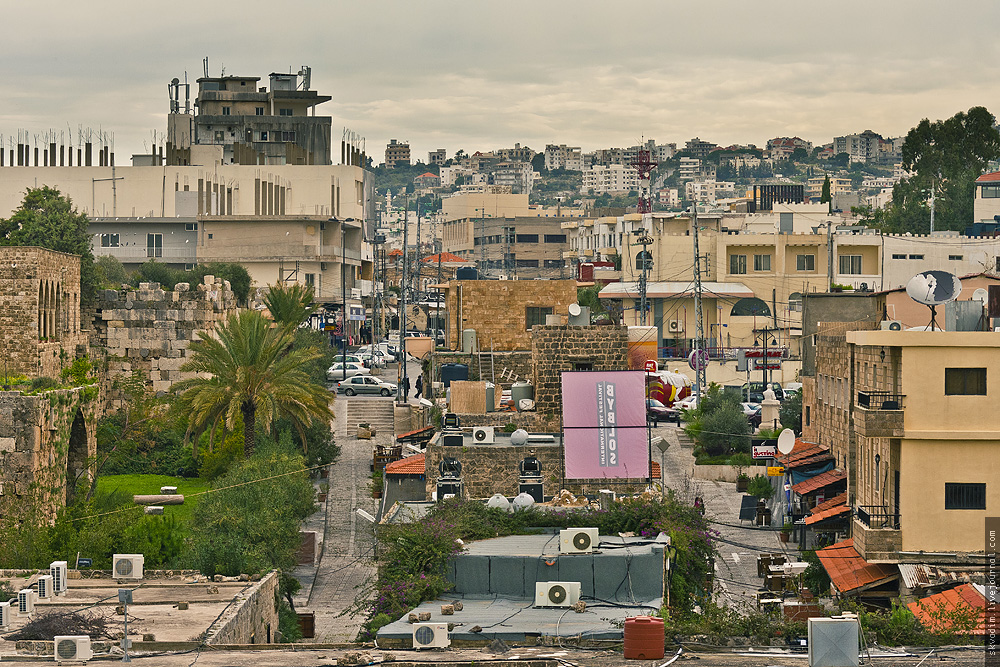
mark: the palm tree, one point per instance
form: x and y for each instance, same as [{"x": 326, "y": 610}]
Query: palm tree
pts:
[
  {"x": 248, "y": 368},
  {"x": 290, "y": 304}
]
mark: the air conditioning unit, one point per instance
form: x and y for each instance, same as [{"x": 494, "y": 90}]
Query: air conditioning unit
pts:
[
  {"x": 675, "y": 326},
  {"x": 57, "y": 569},
  {"x": 483, "y": 434},
  {"x": 45, "y": 587},
  {"x": 5, "y": 614},
  {"x": 72, "y": 647},
  {"x": 833, "y": 642},
  {"x": 25, "y": 602},
  {"x": 557, "y": 593},
  {"x": 578, "y": 540},
  {"x": 127, "y": 566},
  {"x": 431, "y": 635},
  {"x": 892, "y": 325}
]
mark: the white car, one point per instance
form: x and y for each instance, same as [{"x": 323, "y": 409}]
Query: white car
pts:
[
  {"x": 366, "y": 384},
  {"x": 689, "y": 403},
  {"x": 337, "y": 371}
]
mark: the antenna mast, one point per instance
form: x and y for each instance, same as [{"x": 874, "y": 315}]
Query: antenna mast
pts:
[{"x": 699, "y": 327}]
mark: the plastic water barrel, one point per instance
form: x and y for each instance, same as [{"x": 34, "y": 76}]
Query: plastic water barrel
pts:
[
  {"x": 644, "y": 638},
  {"x": 451, "y": 372},
  {"x": 520, "y": 390},
  {"x": 468, "y": 341}
]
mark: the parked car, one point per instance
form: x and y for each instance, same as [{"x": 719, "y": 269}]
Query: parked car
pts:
[
  {"x": 689, "y": 403},
  {"x": 753, "y": 414},
  {"x": 366, "y": 384},
  {"x": 753, "y": 392},
  {"x": 657, "y": 412},
  {"x": 372, "y": 360},
  {"x": 337, "y": 371}
]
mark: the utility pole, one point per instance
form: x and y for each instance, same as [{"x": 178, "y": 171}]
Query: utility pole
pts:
[
  {"x": 829, "y": 255},
  {"x": 699, "y": 326},
  {"x": 645, "y": 241},
  {"x": 343, "y": 300},
  {"x": 402, "y": 303}
]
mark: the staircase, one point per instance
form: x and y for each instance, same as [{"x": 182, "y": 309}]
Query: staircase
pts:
[{"x": 376, "y": 411}]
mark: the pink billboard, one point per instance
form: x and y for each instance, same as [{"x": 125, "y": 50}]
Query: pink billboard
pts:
[{"x": 604, "y": 424}]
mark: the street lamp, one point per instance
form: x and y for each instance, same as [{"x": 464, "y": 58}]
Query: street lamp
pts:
[{"x": 343, "y": 299}]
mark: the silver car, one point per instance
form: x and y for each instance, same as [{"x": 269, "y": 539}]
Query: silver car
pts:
[{"x": 365, "y": 384}]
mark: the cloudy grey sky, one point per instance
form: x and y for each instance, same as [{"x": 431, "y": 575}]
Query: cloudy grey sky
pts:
[{"x": 481, "y": 75}]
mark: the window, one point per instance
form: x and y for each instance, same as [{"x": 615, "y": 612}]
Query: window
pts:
[
  {"x": 965, "y": 381},
  {"x": 958, "y": 496},
  {"x": 808, "y": 416},
  {"x": 750, "y": 307},
  {"x": 899, "y": 255},
  {"x": 795, "y": 302},
  {"x": 109, "y": 240},
  {"x": 189, "y": 267},
  {"x": 226, "y": 111},
  {"x": 263, "y": 135},
  {"x": 738, "y": 264},
  {"x": 527, "y": 263},
  {"x": 210, "y": 236},
  {"x": 284, "y": 112},
  {"x": 850, "y": 264},
  {"x": 805, "y": 262},
  {"x": 916, "y": 256},
  {"x": 955, "y": 258},
  {"x": 555, "y": 238},
  {"x": 644, "y": 260},
  {"x": 310, "y": 279},
  {"x": 553, "y": 264},
  {"x": 527, "y": 238},
  {"x": 220, "y": 136},
  {"x": 761, "y": 262},
  {"x": 154, "y": 245},
  {"x": 990, "y": 191},
  {"x": 259, "y": 111},
  {"x": 535, "y": 315},
  {"x": 190, "y": 226}
]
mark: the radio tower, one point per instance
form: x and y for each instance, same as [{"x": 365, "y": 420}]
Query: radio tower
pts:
[{"x": 643, "y": 163}]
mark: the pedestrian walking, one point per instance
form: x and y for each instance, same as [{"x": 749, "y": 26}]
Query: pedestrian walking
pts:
[
  {"x": 419, "y": 386},
  {"x": 406, "y": 387}
]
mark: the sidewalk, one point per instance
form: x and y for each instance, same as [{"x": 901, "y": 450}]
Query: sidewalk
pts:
[{"x": 738, "y": 543}]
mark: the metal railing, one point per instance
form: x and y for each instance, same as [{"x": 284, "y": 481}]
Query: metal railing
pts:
[
  {"x": 877, "y": 516},
  {"x": 880, "y": 400},
  {"x": 714, "y": 352}
]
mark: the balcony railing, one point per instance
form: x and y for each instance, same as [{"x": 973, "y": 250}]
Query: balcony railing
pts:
[
  {"x": 877, "y": 516},
  {"x": 880, "y": 400},
  {"x": 715, "y": 352}
]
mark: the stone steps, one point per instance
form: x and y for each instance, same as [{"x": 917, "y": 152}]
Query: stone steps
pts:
[{"x": 378, "y": 412}]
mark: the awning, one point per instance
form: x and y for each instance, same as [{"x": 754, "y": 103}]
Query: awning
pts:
[
  {"x": 831, "y": 503},
  {"x": 819, "y": 481},
  {"x": 851, "y": 573},
  {"x": 675, "y": 290},
  {"x": 832, "y": 513}
]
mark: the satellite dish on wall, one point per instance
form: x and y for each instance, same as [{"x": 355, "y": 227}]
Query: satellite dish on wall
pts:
[
  {"x": 786, "y": 440},
  {"x": 980, "y": 295},
  {"x": 933, "y": 288},
  {"x": 575, "y": 310}
]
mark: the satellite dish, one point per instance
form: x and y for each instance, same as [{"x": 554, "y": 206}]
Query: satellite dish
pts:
[
  {"x": 786, "y": 440},
  {"x": 499, "y": 501},
  {"x": 932, "y": 288},
  {"x": 980, "y": 295},
  {"x": 523, "y": 501},
  {"x": 519, "y": 437},
  {"x": 575, "y": 310}
]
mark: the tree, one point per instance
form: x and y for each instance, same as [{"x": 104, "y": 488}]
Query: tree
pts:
[
  {"x": 49, "y": 220},
  {"x": 538, "y": 162},
  {"x": 825, "y": 197},
  {"x": 253, "y": 371},
  {"x": 290, "y": 304},
  {"x": 800, "y": 155},
  {"x": 790, "y": 412}
]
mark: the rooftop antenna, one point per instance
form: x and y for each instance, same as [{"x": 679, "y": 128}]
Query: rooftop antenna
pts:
[
  {"x": 204, "y": 63},
  {"x": 933, "y": 288}
]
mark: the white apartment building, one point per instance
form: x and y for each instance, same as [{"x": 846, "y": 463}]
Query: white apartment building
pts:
[
  {"x": 670, "y": 197},
  {"x": 518, "y": 176},
  {"x": 601, "y": 239},
  {"x": 563, "y": 157},
  {"x": 613, "y": 178},
  {"x": 708, "y": 192},
  {"x": 690, "y": 168}
]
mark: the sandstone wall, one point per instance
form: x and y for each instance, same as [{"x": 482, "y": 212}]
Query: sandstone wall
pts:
[
  {"x": 253, "y": 618},
  {"x": 556, "y": 349}
]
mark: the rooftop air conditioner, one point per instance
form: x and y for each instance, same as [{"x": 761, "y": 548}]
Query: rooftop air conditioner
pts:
[
  {"x": 5, "y": 613},
  {"x": 675, "y": 326},
  {"x": 892, "y": 325},
  {"x": 483, "y": 435},
  {"x": 127, "y": 566},
  {"x": 578, "y": 540},
  {"x": 430, "y": 635},
  {"x": 25, "y": 602},
  {"x": 557, "y": 593},
  {"x": 45, "y": 587},
  {"x": 57, "y": 570},
  {"x": 76, "y": 648}
]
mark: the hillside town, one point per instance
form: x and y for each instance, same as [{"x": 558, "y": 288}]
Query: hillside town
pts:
[{"x": 269, "y": 398}]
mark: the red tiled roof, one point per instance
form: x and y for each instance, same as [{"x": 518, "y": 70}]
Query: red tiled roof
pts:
[
  {"x": 396, "y": 253},
  {"x": 430, "y": 174},
  {"x": 933, "y": 611},
  {"x": 849, "y": 571},
  {"x": 831, "y": 503},
  {"x": 827, "y": 514},
  {"x": 819, "y": 481},
  {"x": 812, "y": 458},
  {"x": 654, "y": 469},
  {"x": 801, "y": 450},
  {"x": 989, "y": 178},
  {"x": 411, "y": 465},
  {"x": 445, "y": 257}
]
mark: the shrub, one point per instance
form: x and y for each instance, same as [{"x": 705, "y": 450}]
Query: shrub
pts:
[
  {"x": 42, "y": 383},
  {"x": 790, "y": 412},
  {"x": 725, "y": 429},
  {"x": 111, "y": 272},
  {"x": 760, "y": 487}
]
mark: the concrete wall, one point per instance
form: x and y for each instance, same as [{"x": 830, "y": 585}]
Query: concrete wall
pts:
[
  {"x": 556, "y": 349},
  {"x": 253, "y": 618}
]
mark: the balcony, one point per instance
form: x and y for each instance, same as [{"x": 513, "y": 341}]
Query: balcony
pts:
[
  {"x": 876, "y": 533},
  {"x": 877, "y": 516},
  {"x": 879, "y": 414}
]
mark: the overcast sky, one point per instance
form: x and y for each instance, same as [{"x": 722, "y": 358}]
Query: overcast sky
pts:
[{"x": 482, "y": 75}]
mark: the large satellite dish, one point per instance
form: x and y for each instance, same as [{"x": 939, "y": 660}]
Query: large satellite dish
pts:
[
  {"x": 932, "y": 288},
  {"x": 786, "y": 441},
  {"x": 981, "y": 295}
]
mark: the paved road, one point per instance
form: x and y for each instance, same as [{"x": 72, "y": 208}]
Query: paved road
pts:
[{"x": 738, "y": 542}]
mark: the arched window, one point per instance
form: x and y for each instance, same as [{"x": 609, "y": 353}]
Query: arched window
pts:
[
  {"x": 795, "y": 302},
  {"x": 644, "y": 258},
  {"x": 749, "y": 307}
]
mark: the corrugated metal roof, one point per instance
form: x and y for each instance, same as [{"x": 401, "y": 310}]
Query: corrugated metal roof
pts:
[{"x": 921, "y": 575}]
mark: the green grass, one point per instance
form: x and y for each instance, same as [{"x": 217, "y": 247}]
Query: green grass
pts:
[{"x": 150, "y": 485}]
